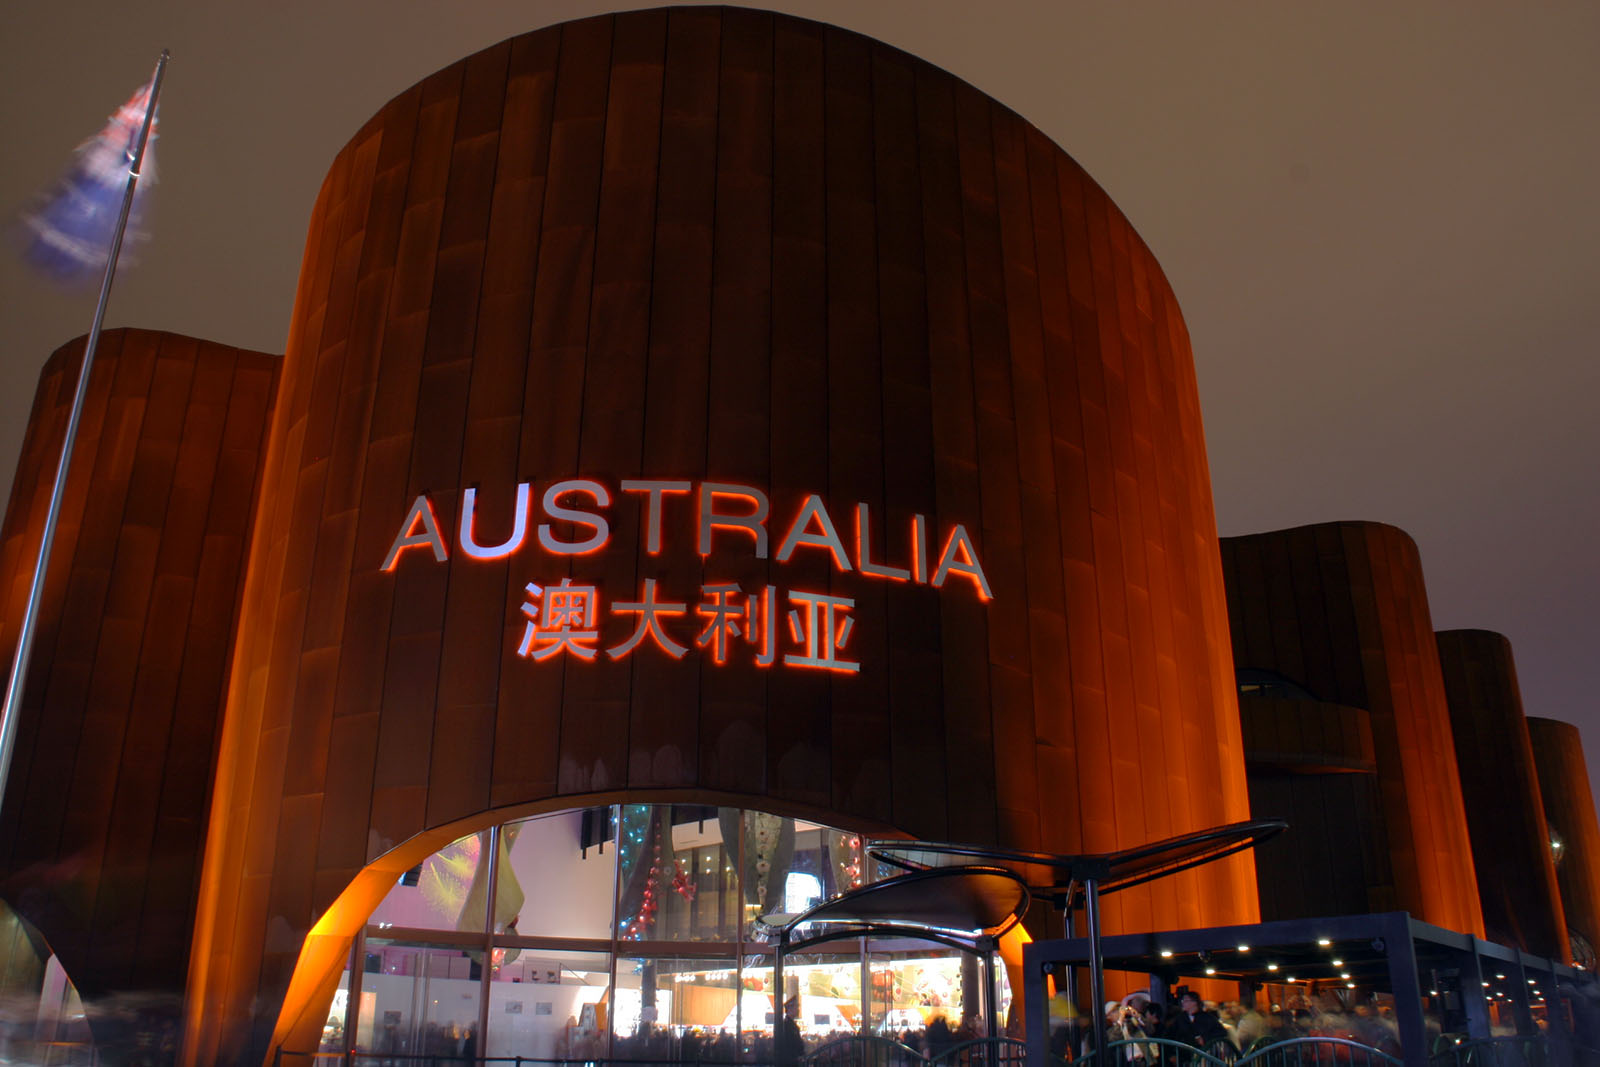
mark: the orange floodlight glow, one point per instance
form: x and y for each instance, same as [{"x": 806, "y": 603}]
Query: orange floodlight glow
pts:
[{"x": 1009, "y": 947}]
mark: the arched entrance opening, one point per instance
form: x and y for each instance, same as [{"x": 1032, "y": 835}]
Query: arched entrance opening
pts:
[{"x": 613, "y": 930}]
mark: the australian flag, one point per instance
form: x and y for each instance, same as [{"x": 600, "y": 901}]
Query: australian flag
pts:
[{"x": 68, "y": 237}]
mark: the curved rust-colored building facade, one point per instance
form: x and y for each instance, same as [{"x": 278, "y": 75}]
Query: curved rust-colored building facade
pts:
[
  {"x": 766, "y": 267},
  {"x": 707, "y": 438},
  {"x": 1304, "y": 759},
  {"x": 1339, "y": 613},
  {"x": 1500, "y": 788},
  {"x": 1570, "y": 814},
  {"x": 106, "y": 802}
]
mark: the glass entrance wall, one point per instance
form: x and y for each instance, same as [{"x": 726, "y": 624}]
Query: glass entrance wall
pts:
[
  {"x": 623, "y": 929},
  {"x": 677, "y": 1009},
  {"x": 548, "y": 1004},
  {"x": 419, "y": 999}
]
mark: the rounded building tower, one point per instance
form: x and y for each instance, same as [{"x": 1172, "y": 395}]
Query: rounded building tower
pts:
[
  {"x": 714, "y": 410},
  {"x": 1342, "y": 687},
  {"x": 1500, "y": 789},
  {"x": 105, "y": 805},
  {"x": 1570, "y": 814}
]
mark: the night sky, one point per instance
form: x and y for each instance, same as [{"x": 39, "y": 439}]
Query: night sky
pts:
[{"x": 1380, "y": 221}]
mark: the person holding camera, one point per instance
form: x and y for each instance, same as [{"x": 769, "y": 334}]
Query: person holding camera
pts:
[{"x": 1123, "y": 1023}]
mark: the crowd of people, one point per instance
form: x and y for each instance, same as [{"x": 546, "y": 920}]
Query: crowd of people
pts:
[
  {"x": 1227, "y": 1032},
  {"x": 787, "y": 1047}
]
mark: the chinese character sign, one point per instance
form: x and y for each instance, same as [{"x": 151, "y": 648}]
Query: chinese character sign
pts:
[{"x": 564, "y": 620}]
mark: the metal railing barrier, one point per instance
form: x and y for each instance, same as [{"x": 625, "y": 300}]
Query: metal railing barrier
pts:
[{"x": 857, "y": 1050}]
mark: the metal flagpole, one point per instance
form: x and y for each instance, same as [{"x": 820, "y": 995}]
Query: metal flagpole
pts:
[{"x": 19, "y": 662}]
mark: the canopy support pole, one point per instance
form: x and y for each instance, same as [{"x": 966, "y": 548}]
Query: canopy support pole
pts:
[
  {"x": 866, "y": 985},
  {"x": 991, "y": 992},
  {"x": 1097, "y": 977},
  {"x": 1069, "y": 922},
  {"x": 777, "y": 987}
]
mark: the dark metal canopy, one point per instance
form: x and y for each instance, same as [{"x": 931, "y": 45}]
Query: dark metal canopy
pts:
[
  {"x": 963, "y": 903},
  {"x": 1060, "y": 876},
  {"x": 1391, "y": 951},
  {"x": 966, "y": 908},
  {"x": 1065, "y": 879}
]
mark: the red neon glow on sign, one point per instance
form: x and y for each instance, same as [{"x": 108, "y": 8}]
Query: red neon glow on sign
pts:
[
  {"x": 567, "y": 619},
  {"x": 810, "y": 631}
]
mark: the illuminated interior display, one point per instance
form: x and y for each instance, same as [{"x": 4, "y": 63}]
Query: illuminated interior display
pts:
[
  {"x": 764, "y": 625},
  {"x": 624, "y": 934}
]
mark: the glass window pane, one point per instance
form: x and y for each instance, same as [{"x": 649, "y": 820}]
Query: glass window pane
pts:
[
  {"x": 676, "y": 1009},
  {"x": 834, "y": 860},
  {"x": 562, "y": 875},
  {"x": 792, "y": 864},
  {"x": 678, "y": 877},
  {"x": 822, "y": 993},
  {"x": 332, "y": 1039},
  {"x": 545, "y": 1004},
  {"x": 419, "y": 1000},
  {"x": 446, "y": 891},
  {"x": 930, "y": 999},
  {"x": 1006, "y": 1024}
]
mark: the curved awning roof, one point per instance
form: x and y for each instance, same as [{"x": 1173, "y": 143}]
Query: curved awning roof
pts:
[
  {"x": 964, "y": 904},
  {"x": 1057, "y": 875}
]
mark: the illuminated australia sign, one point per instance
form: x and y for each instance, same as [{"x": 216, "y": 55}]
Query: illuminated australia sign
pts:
[{"x": 767, "y": 625}]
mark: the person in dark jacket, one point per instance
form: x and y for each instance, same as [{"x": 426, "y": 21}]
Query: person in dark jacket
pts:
[
  {"x": 1196, "y": 1026},
  {"x": 939, "y": 1037}
]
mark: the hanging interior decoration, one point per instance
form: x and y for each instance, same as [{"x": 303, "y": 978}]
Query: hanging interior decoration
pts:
[
  {"x": 849, "y": 860},
  {"x": 508, "y": 894}
]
